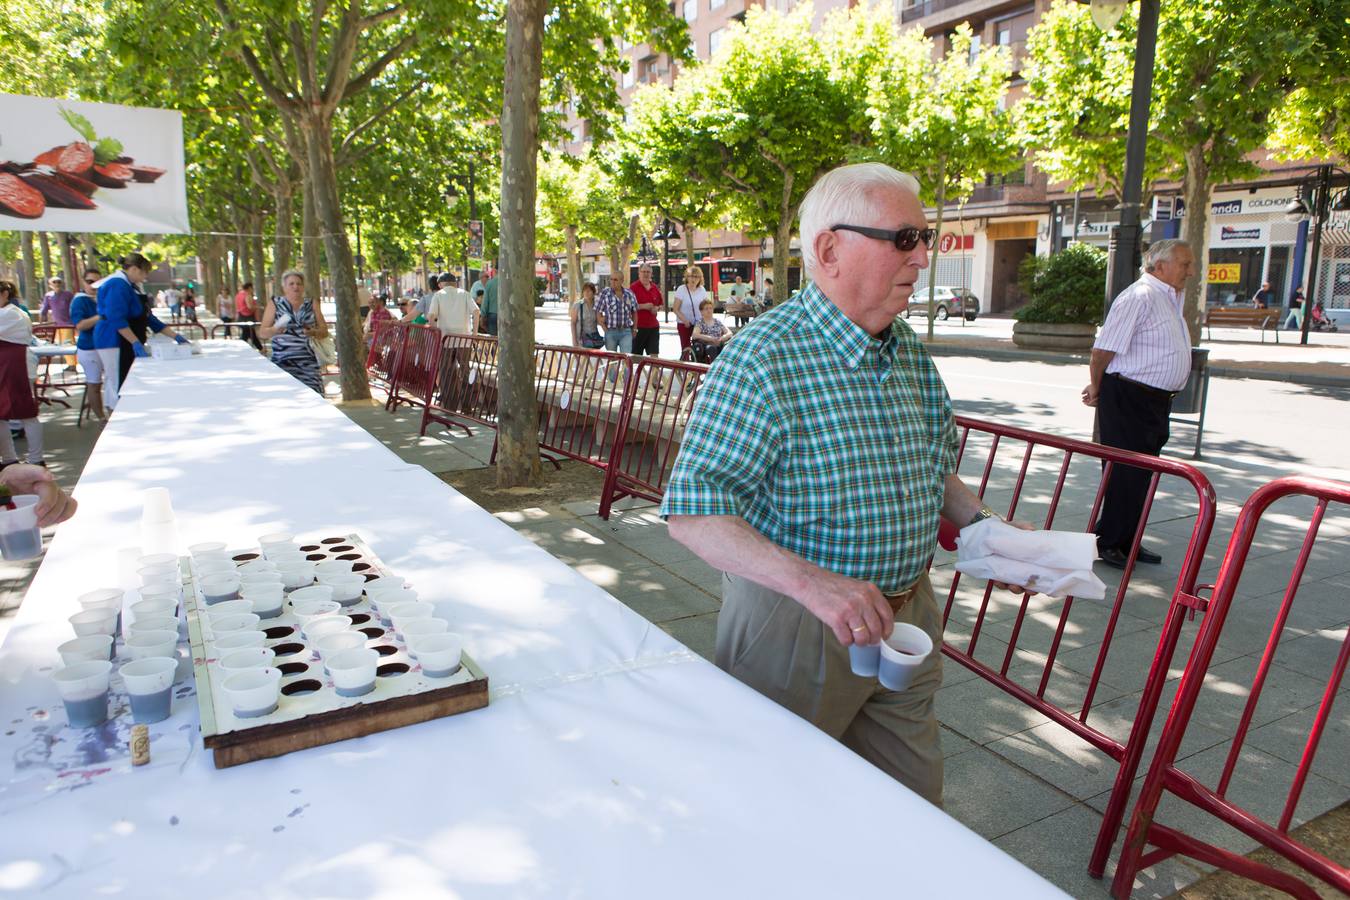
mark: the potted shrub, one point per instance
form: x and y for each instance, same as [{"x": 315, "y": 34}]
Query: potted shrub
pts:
[{"x": 1066, "y": 292}]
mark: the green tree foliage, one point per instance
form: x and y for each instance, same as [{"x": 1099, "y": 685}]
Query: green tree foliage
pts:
[
  {"x": 943, "y": 120},
  {"x": 1223, "y": 67},
  {"x": 1066, "y": 288},
  {"x": 1314, "y": 121}
]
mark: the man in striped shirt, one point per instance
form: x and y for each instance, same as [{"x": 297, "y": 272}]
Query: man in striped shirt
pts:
[
  {"x": 813, "y": 472},
  {"x": 1141, "y": 358}
]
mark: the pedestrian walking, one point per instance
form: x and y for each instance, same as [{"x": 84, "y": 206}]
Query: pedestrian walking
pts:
[
  {"x": 16, "y": 382},
  {"x": 688, "y": 296},
  {"x": 488, "y": 307},
  {"x": 225, "y": 308},
  {"x": 1264, "y": 297},
  {"x": 55, "y": 310},
  {"x": 84, "y": 315},
  {"x": 647, "y": 331},
  {"x": 616, "y": 306},
  {"x": 291, "y": 322},
  {"x": 450, "y": 309},
  {"x": 246, "y": 309},
  {"x": 1141, "y": 358},
  {"x": 174, "y": 300},
  {"x": 813, "y": 471},
  {"x": 1295, "y": 318},
  {"x": 190, "y": 306},
  {"x": 585, "y": 323}
]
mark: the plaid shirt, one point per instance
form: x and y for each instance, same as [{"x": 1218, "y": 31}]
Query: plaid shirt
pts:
[
  {"x": 616, "y": 309},
  {"x": 830, "y": 443}
]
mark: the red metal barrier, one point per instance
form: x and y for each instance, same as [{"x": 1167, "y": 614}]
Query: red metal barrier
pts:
[
  {"x": 1164, "y": 774},
  {"x": 465, "y": 387},
  {"x": 655, "y": 412},
  {"x": 581, "y": 395},
  {"x": 223, "y": 329},
  {"x": 382, "y": 361},
  {"x": 193, "y": 331},
  {"x": 1075, "y": 715},
  {"x": 415, "y": 371}
]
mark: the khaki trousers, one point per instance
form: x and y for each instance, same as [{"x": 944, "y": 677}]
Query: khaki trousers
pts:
[{"x": 770, "y": 642}]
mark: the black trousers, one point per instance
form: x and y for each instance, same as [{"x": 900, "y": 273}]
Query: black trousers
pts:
[
  {"x": 647, "y": 340},
  {"x": 1131, "y": 417}
]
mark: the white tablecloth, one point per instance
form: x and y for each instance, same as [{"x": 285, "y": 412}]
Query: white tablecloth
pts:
[{"x": 611, "y": 762}]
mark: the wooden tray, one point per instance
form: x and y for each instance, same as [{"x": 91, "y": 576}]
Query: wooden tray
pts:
[{"x": 311, "y": 718}]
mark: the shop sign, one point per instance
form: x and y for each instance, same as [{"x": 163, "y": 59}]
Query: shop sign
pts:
[
  {"x": 1253, "y": 235},
  {"x": 950, "y": 241},
  {"x": 1224, "y": 273}
]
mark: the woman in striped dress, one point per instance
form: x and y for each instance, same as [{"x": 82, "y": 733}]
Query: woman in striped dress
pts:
[{"x": 289, "y": 322}]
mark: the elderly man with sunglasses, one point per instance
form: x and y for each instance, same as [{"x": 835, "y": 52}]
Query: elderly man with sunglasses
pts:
[{"x": 814, "y": 470}]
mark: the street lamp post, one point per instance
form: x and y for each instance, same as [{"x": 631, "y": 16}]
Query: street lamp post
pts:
[
  {"x": 452, "y": 193},
  {"x": 1298, "y": 211},
  {"x": 664, "y": 232}
]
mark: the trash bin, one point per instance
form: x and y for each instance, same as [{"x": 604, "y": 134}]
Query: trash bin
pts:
[{"x": 1191, "y": 398}]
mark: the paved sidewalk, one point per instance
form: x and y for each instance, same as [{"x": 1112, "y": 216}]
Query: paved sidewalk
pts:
[
  {"x": 1233, "y": 352},
  {"x": 1014, "y": 777}
]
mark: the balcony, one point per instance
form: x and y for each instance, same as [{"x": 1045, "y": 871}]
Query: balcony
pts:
[{"x": 921, "y": 8}]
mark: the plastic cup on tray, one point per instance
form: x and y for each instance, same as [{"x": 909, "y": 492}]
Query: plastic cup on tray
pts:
[
  {"x": 353, "y": 671},
  {"x": 246, "y": 659},
  {"x": 153, "y": 623},
  {"x": 239, "y": 640},
  {"x": 94, "y": 621},
  {"x": 406, "y": 612},
  {"x": 149, "y": 684},
  {"x": 414, "y": 629},
  {"x": 267, "y": 597},
  {"x": 83, "y": 649},
  {"x": 346, "y": 588},
  {"x": 439, "y": 654},
  {"x": 84, "y": 690},
  {"x": 228, "y": 608},
  {"x": 145, "y": 644},
  {"x": 253, "y": 693},
  {"x": 325, "y": 624}
]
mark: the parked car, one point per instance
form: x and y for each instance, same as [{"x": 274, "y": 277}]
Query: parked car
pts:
[{"x": 947, "y": 300}]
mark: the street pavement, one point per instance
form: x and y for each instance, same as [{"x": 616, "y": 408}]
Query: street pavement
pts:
[{"x": 1014, "y": 777}]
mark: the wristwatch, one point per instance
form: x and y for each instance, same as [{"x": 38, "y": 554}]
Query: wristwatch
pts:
[{"x": 985, "y": 513}]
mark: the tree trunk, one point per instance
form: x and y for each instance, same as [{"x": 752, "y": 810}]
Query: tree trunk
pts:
[
  {"x": 517, "y": 436},
  {"x": 68, "y": 265},
  {"x": 309, "y": 225},
  {"x": 284, "y": 210},
  {"x": 30, "y": 282},
  {"x": 328, "y": 215},
  {"x": 46, "y": 258},
  {"x": 262, "y": 286},
  {"x": 941, "y": 200},
  {"x": 573, "y": 265},
  {"x": 1195, "y": 230}
]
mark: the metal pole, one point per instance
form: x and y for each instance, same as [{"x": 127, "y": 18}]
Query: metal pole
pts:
[
  {"x": 473, "y": 214},
  {"x": 1077, "y": 196},
  {"x": 1125, "y": 264},
  {"x": 1321, "y": 209}
]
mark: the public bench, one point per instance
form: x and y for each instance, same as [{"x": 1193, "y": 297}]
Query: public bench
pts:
[{"x": 1243, "y": 317}]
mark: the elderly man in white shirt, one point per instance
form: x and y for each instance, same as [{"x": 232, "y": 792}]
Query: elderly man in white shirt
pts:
[
  {"x": 1140, "y": 360},
  {"x": 450, "y": 309}
]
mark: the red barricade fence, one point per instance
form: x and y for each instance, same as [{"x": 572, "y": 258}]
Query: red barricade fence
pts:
[
  {"x": 193, "y": 331},
  {"x": 1032, "y": 644},
  {"x": 1166, "y": 775},
  {"x": 465, "y": 383},
  {"x": 228, "y": 329},
  {"x": 655, "y": 413},
  {"x": 415, "y": 368},
  {"x": 581, "y": 396},
  {"x": 382, "y": 361}
]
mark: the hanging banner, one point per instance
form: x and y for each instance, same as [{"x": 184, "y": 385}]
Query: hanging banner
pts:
[{"x": 67, "y": 165}]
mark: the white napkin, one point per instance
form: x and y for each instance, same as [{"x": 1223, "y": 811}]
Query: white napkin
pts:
[{"x": 1055, "y": 563}]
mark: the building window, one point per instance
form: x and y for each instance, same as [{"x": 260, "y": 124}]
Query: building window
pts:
[
  {"x": 1004, "y": 37},
  {"x": 628, "y": 77},
  {"x": 690, "y": 10},
  {"x": 974, "y": 47},
  {"x": 715, "y": 40}
]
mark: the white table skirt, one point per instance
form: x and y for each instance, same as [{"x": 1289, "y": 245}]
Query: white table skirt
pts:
[{"x": 611, "y": 762}]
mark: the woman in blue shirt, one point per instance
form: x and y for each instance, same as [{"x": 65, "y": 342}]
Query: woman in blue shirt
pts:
[
  {"x": 124, "y": 323},
  {"x": 84, "y": 316}
]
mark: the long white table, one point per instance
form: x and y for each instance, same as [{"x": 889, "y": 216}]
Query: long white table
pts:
[{"x": 611, "y": 761}]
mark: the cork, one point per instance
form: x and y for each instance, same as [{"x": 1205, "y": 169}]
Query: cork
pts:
[{"x": 140, "y": 745}]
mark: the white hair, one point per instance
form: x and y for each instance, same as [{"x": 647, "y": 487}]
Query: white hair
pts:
[
  {"x": 846, "y": 196},
  {"x": 1161, "y": 251}
]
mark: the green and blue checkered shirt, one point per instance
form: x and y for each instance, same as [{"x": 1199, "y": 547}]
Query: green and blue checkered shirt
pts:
[{"x": 832, "y": 444}]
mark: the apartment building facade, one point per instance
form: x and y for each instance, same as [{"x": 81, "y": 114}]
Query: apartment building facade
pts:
[{"x": 1018, "y": 213}]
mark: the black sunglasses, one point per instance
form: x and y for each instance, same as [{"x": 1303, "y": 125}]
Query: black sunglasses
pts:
[{"x": 905, "y": 239}]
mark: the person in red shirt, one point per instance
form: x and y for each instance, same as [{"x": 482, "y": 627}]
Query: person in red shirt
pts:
[
  {"x": 246, "y": 311},
  {"x": 647, "y": 330}
]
